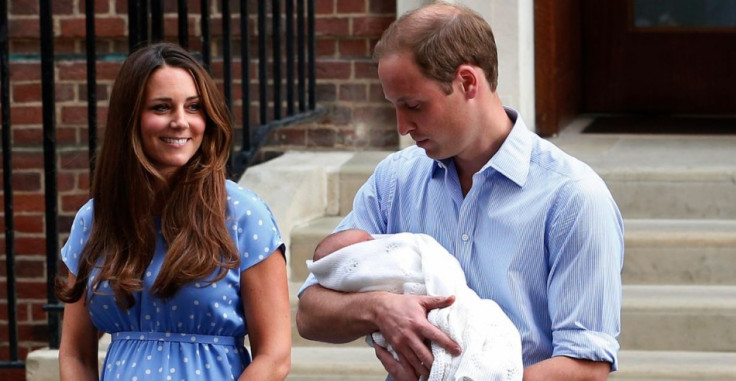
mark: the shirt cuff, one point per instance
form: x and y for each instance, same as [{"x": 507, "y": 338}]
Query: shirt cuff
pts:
[{"x": 586, "y": 345}]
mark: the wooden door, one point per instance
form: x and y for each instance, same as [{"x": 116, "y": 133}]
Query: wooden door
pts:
[{"x": 659, "y": 56}]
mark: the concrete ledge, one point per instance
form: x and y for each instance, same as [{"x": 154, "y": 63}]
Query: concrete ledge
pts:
[{"x": 298, "y": 186}]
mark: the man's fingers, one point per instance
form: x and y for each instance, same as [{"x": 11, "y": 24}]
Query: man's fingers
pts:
[
  {"x": 397, "y": 370},
  {"x": 433, "y": 302}
]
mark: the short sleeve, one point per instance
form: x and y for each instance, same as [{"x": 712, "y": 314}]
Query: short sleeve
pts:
[
  {"x": 78, "y": 235},
  {"x": 252, "y": 226}
]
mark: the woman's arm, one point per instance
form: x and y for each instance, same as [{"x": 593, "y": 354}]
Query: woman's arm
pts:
[
  {"x": 265, "y": 294},
  {"x": 78, "y": 348}
]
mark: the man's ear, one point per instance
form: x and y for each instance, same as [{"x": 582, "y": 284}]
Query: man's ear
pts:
[{"x": 468, "y": 78}]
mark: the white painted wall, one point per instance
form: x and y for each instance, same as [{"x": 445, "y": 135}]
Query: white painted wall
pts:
[{"x": 513, "y": 28}]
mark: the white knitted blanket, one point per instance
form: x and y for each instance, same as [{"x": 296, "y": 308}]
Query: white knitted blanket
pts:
[{"x": 407, "y": 263}]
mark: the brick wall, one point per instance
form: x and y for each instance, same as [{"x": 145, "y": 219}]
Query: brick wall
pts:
[
  {"x": 347, "y": 85},
  {"x": 357, "y": 117}
]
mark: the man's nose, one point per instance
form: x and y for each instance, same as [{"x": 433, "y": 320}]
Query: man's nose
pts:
[{"x": 403, "y": 124}]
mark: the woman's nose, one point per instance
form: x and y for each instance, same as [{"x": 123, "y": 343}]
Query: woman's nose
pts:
[{"x": 179, "y": 119}]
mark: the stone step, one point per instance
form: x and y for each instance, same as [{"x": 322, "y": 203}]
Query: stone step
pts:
[
  {"x": 679, "y": 252},
  {"x": 692, "y": 318},
  {"x": 665, "y": 176},
  {"x": 657, "y": 251},
  {"x": 687, "y": 318},
  {"x": 360, "y": 364},
  {"x": 646, "y": 180}
]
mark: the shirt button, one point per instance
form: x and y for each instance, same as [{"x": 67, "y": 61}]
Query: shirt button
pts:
[{"x": 465, "y": 237}]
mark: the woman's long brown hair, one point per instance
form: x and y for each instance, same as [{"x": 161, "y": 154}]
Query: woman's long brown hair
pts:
[{"x": 127, "y": 188}]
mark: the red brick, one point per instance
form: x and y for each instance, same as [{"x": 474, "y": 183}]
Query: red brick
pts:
[
  {"x": 62, "y": 7},
  {"x": 67, "y": 135},
  {"x": 351, "y": 6},
  {"x": 339, "y": 115},
  {"x": 353, "y": 92},
  {"x": 375, "y": 93},
  {"x": 26, "y": 92},
  {"x": 24, "y": 28},
  {"x": 26, "y": 223},
  {"x": 101, "y": 6},
  {"x": 332, "y": 69},
  {"x": 26, "y": 181},
  {"x": 64, "y": 92},
  {"x": 332, "y": 26},
  {"x": 289, "y": 136},
  {"x": 71, "y": 204},
  {"x": 25, "y": 71},
  {"x": 375, "y": 115},
  {"x": 326, "y": 47},
  {"x": 29, "y": 246},
  {"x": 325, "y": 92},
  {"x": 102, "y": 92},
  {"x": 370, "y": 26},
  {"x": 29, "y": 268},
  {"x": 66, "y": 181},
  {"x": 321, "y": 137},
  {"x": 29, "y": 202},
  {"x": 83, "y": 181},
  {"x": 72, "y": 71},
  {"x": 26, "y": 115},
  {"x": 24, "y": 7},
  {"x": 12, "y": 374},
  {"x": 107, "y": 70},
  {"x": 354, "y": 48},
  {"x": 37, "y": 312},
  {"x": 104, "y": 27},
  {"x": 367, "y": 69},
  {"x": 27, "y": 136},
  {"x": 382, "y": 6},
  {"x": 27, "y": 160},
  {"x": 74, "y": 160},
  {"x": 323, "y": 7},
  {"x": 74, "y": 115}
]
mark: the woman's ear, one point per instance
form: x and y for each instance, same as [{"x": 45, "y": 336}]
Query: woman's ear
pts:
[{"x": 468, "y": 77}]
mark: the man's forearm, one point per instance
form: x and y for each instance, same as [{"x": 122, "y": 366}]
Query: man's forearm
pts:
[
  {"x": 566, "y": 368},
  {"x": 335, "y": 317}
]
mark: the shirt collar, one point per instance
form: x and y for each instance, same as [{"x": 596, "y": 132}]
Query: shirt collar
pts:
[{"x": 513, "y": 158}]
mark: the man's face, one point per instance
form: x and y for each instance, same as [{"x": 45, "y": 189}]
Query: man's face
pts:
[{"x": 432, "y": 118}]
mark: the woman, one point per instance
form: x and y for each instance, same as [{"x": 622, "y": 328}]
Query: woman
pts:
[{"x": 172, "y": 259}]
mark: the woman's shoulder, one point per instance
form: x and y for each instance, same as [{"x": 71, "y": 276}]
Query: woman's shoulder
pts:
[
  {"x": 241, "y": 200},
  {"x": 86, "y": 211}
]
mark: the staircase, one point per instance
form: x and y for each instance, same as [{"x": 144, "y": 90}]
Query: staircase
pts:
[{"x": 677, "y": 195}]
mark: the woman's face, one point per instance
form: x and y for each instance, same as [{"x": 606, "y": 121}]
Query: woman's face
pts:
[{"x": 172, "y": 120}]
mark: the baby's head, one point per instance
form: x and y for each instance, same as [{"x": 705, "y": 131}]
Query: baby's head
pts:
[{"x": 338, "y": 240}]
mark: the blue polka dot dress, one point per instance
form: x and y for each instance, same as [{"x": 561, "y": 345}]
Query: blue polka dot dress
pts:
[{"x": 197, "y": 334}]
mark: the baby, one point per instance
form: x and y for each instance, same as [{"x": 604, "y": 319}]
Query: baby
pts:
[{"x": 406, "y": 263}]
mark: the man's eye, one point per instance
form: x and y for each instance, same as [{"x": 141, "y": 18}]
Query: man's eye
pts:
[{"x": 413, "y": 107}]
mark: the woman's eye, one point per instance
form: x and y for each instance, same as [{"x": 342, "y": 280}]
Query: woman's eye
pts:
[
  {"x": 160, "y": 107},
  {"x": 195, "y": 107}
]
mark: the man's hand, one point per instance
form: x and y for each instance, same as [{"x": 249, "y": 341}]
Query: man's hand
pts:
[{"x": 403, "y": 323}]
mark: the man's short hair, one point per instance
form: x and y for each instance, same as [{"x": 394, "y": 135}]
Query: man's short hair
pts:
[{"x": 441, "y": 37}]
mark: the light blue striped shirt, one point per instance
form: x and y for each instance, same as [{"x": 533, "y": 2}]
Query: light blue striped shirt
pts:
[{"x": 538, "y": 232}]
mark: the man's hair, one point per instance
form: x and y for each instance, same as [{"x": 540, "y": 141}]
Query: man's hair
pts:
[{"x": 441, "y": 37}]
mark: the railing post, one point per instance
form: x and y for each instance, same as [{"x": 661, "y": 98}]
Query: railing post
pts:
[{"x": 49, "y": 162}]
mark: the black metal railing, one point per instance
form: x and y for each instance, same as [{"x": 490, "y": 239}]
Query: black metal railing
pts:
[{"x": 146, "y": 24}]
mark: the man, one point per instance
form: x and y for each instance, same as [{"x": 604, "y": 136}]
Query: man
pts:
[{"x": 534, "y": 229}]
